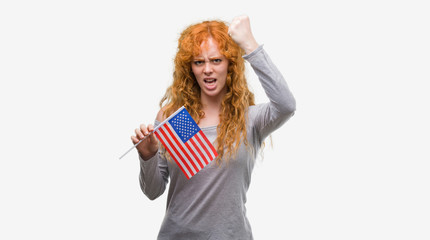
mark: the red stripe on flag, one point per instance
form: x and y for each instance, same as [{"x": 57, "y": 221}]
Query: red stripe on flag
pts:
[
  {"x": 171, "y": 154},
  {"x": 204, "y": 148},
  {"x": 209, "y": 143},
  {"x": 196, "y": 146},
  {"x": 182, "y": 149},
  {"x": 176, "y": 151},
  {"x": 194, "y": 155},
  {"x": 198, "y": 150}
]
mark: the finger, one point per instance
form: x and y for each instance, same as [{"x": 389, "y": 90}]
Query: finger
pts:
[
  {"x": 232, "y": 25},
  {"x": 134, "y": 139},
  {"x": 139, "y": 133},
  {"x": 144, "y": 129}
]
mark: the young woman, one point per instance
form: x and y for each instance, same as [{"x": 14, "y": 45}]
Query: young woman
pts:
[{"x": 209, "y": 80}]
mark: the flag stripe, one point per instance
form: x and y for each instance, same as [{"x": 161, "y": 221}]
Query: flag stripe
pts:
[
  {"x": 168, "y": 148},
  {"x": 195, "y": 151},
  {"x": 172, "y": 154},
  {"x": 177, "y": 155},
  {"x": 196, "y": 159},
  {"x": 209, "y": 144},
  {"x": 191, "y": 157},
  {"x": 183, "y": 149},
  {"x": 197, "y": 146},
  {"x": 178, "y": 151},
  {"x": 206, "y": 152}
]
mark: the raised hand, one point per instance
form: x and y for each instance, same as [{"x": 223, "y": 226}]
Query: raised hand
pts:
[{"x": 240, "y": 31}]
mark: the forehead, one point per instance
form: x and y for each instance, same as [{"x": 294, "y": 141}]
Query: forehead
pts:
[{"x": 209, "y": 47}]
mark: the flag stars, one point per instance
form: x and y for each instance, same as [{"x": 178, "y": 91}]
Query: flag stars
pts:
[{"x": 184, "y": 125}]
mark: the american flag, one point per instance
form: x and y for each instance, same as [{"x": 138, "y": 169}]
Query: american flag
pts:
[{"x": 185, "y": 142}]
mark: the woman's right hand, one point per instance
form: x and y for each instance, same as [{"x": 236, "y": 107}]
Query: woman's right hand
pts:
[
  {"x": 240, "y": 31},
  {"x": 148, "y": 147}
]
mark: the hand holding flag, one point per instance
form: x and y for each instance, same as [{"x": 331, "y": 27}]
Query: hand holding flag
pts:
[
  {"x": 146, "y": 142},
  {"x": 184, "y": 140}
]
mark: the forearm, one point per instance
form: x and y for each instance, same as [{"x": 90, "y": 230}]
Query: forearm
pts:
[
  {"x": 153, "y": 176},
  {"x": 272, "y": 81}
]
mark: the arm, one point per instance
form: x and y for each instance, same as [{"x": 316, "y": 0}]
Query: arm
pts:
[
  {"x": 154, "y": 173},
  {"x": 282, "y": 105}
]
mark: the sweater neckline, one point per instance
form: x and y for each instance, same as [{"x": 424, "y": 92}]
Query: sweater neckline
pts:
[{"x": 209, "y": 127}]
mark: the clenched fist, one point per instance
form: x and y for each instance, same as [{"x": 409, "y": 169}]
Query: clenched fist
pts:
[{"x": 240, "y": 31}]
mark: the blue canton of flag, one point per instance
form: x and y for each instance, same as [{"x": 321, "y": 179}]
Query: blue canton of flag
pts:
[{"x": 184, "y": 125}]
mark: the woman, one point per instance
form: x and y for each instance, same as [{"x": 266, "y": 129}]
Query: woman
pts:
[{"x": 209, "y": 80}]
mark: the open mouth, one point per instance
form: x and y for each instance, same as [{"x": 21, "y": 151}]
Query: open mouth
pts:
[{"x": 210, "y": 81}]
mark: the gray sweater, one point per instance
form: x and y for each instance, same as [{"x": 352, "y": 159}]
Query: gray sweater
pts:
[{"x": 211, "y": 205}]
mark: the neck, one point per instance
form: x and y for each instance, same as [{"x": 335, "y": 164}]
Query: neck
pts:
[
  {"x": 212, "y": 109},
  {"x": 213, "y": 102}
]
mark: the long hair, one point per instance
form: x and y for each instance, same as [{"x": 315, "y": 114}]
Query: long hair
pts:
[{"x": 185, "y": 90}]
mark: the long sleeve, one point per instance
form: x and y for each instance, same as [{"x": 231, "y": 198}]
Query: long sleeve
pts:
[
  {"x": 154, "y": 175},
  {"x": 282, "y": 105}
]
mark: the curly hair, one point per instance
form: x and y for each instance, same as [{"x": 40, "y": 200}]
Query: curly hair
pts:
[{"x": 185, "y": 90}]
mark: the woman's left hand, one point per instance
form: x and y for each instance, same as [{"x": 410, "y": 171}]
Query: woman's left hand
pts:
[{"x": 240, "y": 31}]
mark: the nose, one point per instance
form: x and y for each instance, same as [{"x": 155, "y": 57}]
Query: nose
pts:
[{"x": 207, "y": 68}]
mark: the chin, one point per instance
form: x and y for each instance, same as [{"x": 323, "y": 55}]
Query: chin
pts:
[{"x": 212, "y": 93}]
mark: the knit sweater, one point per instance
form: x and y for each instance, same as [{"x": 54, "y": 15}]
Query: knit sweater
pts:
[{"x": 211, "y": 205}]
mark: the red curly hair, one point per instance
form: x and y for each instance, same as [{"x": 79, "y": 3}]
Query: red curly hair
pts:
[{"x": 185, "y": 90}]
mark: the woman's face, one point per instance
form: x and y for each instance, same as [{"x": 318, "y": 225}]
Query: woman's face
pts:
[{"x": 210, "y": 69}]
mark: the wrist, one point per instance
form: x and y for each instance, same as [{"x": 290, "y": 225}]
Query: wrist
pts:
[
  {"x": 250, "y": 46},
  {"x": 147, "y": 156}
]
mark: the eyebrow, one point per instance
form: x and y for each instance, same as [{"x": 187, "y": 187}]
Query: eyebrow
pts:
[{"x": 211, "y": 58}]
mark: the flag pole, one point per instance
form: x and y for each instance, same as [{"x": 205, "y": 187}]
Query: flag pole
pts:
[
  {"x": 155, "y": 129},
  {"x": 136, "y": 144}
]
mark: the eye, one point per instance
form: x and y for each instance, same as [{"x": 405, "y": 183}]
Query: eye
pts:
[
  {"x": 217, "y": 60},
  {"x": 198, "y": 62}
]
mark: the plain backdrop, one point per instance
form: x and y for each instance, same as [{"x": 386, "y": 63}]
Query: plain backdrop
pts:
[{"x": 77, "y": 77}]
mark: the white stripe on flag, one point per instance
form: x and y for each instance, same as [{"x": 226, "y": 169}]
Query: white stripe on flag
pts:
[
  {"x": 186, "y": 148},
  {"x": 206, "y": 145},
  {"x": 178, "y": 148},
  {"x": 201, "y": 147},
  {"x": 191, "y": 146},
  {"x": 173, "y": 151}
]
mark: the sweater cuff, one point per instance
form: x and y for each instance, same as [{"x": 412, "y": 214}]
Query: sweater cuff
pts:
[
  {"x": 150, "y": 163},
  {"x": 253, "y": 53}
]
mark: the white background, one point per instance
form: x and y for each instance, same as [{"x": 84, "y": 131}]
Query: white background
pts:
[{"x": 77, "y": 77}]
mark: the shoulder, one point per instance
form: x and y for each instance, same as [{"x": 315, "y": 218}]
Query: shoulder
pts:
[{"x": 160, "y": 115}]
